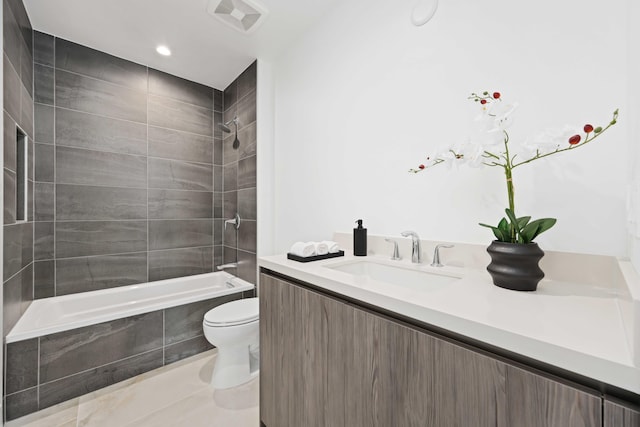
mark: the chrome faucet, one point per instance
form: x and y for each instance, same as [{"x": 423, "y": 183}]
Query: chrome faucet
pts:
[
  {"x": 396, "y": 253},
  {"x": 416, "y": 251},
  {"x": 235, "y": 221},
  {"x": 436, "y": 255}
]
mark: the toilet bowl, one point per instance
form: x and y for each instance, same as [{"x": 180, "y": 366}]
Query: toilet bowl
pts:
[{"x": 233, "y": 329}]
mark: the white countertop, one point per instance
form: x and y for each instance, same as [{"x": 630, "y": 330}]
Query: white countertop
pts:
[{"x": 574, "y": 326}]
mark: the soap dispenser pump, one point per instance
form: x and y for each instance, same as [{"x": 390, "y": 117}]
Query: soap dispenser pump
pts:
[{"x": 360, "y": 240}]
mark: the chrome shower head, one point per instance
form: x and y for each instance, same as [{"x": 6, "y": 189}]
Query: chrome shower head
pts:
[{"x": 225, "y": 126}]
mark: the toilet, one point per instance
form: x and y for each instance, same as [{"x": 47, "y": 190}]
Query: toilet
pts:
[{"x": 233, "y": 328}]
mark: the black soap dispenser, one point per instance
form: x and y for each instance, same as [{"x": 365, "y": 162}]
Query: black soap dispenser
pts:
[{"x": 360, "y": 240}]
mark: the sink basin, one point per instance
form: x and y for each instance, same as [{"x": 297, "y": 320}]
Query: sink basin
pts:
[{"x": 396, "y": 275}]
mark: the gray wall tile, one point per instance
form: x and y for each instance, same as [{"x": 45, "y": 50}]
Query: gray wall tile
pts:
[
  {"x": 170, "y": 86},
  {"x": 43, "y": 82},
  {"x": 167, "y": 264},
  {"x": 176, "y": 204},
  {"x": 185, "y": 321},
  {"x": 218, "y": 231},
  {"x": 178, "y": 175},
  {"x": 218, "y": 100},
  {"x": 93, "y": 63},
  {"x": 217, "y": 152},
  {"x": 247, "y": 109},
  {"x": 9, "y": 203},
  {"x": 26, "y": 69},
  {"x": 43, "y": 48},
  {"x": 44, "y": 163},
  {"x": 217, "y": 204},
  {"x": 21, "y": 403},
  {"x": 11, "y": 90},
  {"x": 229, "y": 154},
  {"x": 58, "y": 391},
  {"x": 12, "y": 35},
  {"x": 230, "y": 202},
  {"x": 44, "y": 275},
  {"x": 229, "y": 236},
  {"x": 22, "y": 365},
  {"x": 83, "y": 238},
  {"x": 18, "y": 9},
  {"x": 247, "y": 203},
  {"x": 44, "y": 123},
  {"x": 230, "y": 177},
  {"x": 176, "y": 145},
  {"x": 10, "y": 138},
  {"x": 168, "y": 113},
  {"x": 182, "y": 350},
  {"x": 18, "y": 239},
  {"x": 83, "y": 130},
  {"x": 44, "y": 201},
  {"x": 247, "y": 269},
  {"x": 83, "y": 202},
  {"x": 217, "y": 256},
  {"x": 88, "y": 167},
  {"x": 247, "y": 80},
  {"x": 173, "y": 234},
  {"x": 218, "y": 178},
  {"x": 70, "y": 352},
  {"x": 43, "y": 247},
  {"x": 17, "y": 295},
  {"x": 217, "y": 121},
  {"x": 247, "y": 172},
  {"x": 231, "y": 95},
  {"x": 86, "y": 94},
  {"x": 247, "y": 236},
  {"x": 100, "y": 272}
]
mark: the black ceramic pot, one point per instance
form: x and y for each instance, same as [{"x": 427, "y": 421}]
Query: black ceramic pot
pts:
[{"x": 515, "y": 266}]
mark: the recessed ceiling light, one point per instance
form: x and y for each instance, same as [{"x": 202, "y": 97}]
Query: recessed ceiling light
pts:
[{"x": 163, "y": 50}]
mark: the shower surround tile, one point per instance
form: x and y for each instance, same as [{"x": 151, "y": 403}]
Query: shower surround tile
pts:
[
  {"x": 174, "y": 87},
  {"x": 177, "y": 145},
  {"x": 84, "y": 130},
  {"x": 85, "y": 274},
  {"x": 165, "y": 112},
  {"x": 173, "y": 234},
  {"x": 83, "y": 202},
  {"x": 168, "y": 264},
  {"x": 173, "y": 204},
  {"x": 44, "y": 123},
  {"x": 83, "y": 238},
  {"x": 88, "y": 167},
  {"x": 81, "y": 93},
  {"x": 177, "y": 175}
]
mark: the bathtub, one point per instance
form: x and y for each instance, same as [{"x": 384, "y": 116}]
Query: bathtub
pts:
[
  {"x": 66, "y": 346},
  {"x": 57, "y": 314}
]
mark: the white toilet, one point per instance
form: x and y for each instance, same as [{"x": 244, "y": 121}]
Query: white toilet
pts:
[{"x": 233, "y": 329}]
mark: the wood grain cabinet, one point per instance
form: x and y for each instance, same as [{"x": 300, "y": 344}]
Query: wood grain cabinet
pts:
[
  {"x": 619, "y": 415},
  {"x": 327, "y": 363}
]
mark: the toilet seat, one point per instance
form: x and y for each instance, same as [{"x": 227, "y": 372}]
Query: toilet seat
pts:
[{"x": 233, "y": 313}]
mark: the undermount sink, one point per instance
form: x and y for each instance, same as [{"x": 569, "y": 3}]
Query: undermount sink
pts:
[{"x": 396, "y": 275}]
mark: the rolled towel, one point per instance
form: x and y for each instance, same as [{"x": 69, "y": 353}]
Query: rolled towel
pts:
[
  {"x": 303, "y": 249},
  {"x": 321, "y": 248},
  {"x": 332, "y": 246}
]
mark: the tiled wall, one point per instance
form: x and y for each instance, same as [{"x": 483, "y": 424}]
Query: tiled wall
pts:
[
  {"x": 240, "y": 174},
  {"x": 124, "y": 176},
  {"x": 54, "y": 368},
  {"x": 18, "y": 112}
]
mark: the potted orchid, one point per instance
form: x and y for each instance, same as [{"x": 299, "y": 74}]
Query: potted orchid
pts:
[{"x": 514, "y": 255}]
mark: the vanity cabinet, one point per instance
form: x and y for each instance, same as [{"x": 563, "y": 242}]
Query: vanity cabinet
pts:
[
  {"x": 619, "y": 415},
  {"x": 327, "y": 362}
]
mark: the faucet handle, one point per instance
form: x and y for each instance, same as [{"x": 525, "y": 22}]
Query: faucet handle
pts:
[
  {"x": 436, "y": 255},
  {"x": 396, "y": 253}
]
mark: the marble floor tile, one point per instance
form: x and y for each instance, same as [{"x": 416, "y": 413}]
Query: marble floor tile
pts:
[{"x": 175, "y": 395}]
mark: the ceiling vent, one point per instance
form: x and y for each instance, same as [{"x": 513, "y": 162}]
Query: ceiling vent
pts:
[{"x": 243, "y": 15}]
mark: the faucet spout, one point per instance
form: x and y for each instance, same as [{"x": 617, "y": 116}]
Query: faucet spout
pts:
[{"x": 416, "y": 250}]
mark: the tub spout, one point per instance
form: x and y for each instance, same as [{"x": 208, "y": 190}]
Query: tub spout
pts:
[{"x": 229, "y": 265}]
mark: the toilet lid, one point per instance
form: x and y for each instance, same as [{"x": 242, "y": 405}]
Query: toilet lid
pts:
[{"x": 233, "y": 313}]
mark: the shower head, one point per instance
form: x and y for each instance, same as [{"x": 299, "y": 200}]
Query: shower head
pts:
[{"x": 225, "y": 126}]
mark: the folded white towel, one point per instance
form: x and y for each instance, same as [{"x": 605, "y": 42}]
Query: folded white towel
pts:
[
  {"x": 303, "y": 249},
  {"x": 332, "y": 246},
  {"x": 321, "y": 248}
]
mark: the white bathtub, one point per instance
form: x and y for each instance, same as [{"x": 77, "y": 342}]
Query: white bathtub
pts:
[{"x": 57, "y": 314}]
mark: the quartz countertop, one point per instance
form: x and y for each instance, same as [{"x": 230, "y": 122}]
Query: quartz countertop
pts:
[{"x": 574, "y": 326}]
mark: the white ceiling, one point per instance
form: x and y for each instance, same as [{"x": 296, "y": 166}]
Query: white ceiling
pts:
[{"x": 204, "y": 49}]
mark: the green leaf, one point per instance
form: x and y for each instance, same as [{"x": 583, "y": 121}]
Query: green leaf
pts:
[
  {"x": 500, "y": 236},
  {"x": 522, "y": 221},
  {"x": 503, "y": 225},
  {"x": 537, "y": 227}
]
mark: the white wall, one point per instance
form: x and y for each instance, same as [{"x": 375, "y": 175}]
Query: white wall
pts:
[
  {"x": 634, "y": 133},
  {"x": 366, "y": 95}
]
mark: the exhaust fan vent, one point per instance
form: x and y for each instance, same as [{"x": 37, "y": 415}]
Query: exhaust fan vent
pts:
[{"x": 243, "y": 15}]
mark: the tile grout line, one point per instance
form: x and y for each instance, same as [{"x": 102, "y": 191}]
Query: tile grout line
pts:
[{"x": 55, "y": 176}]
